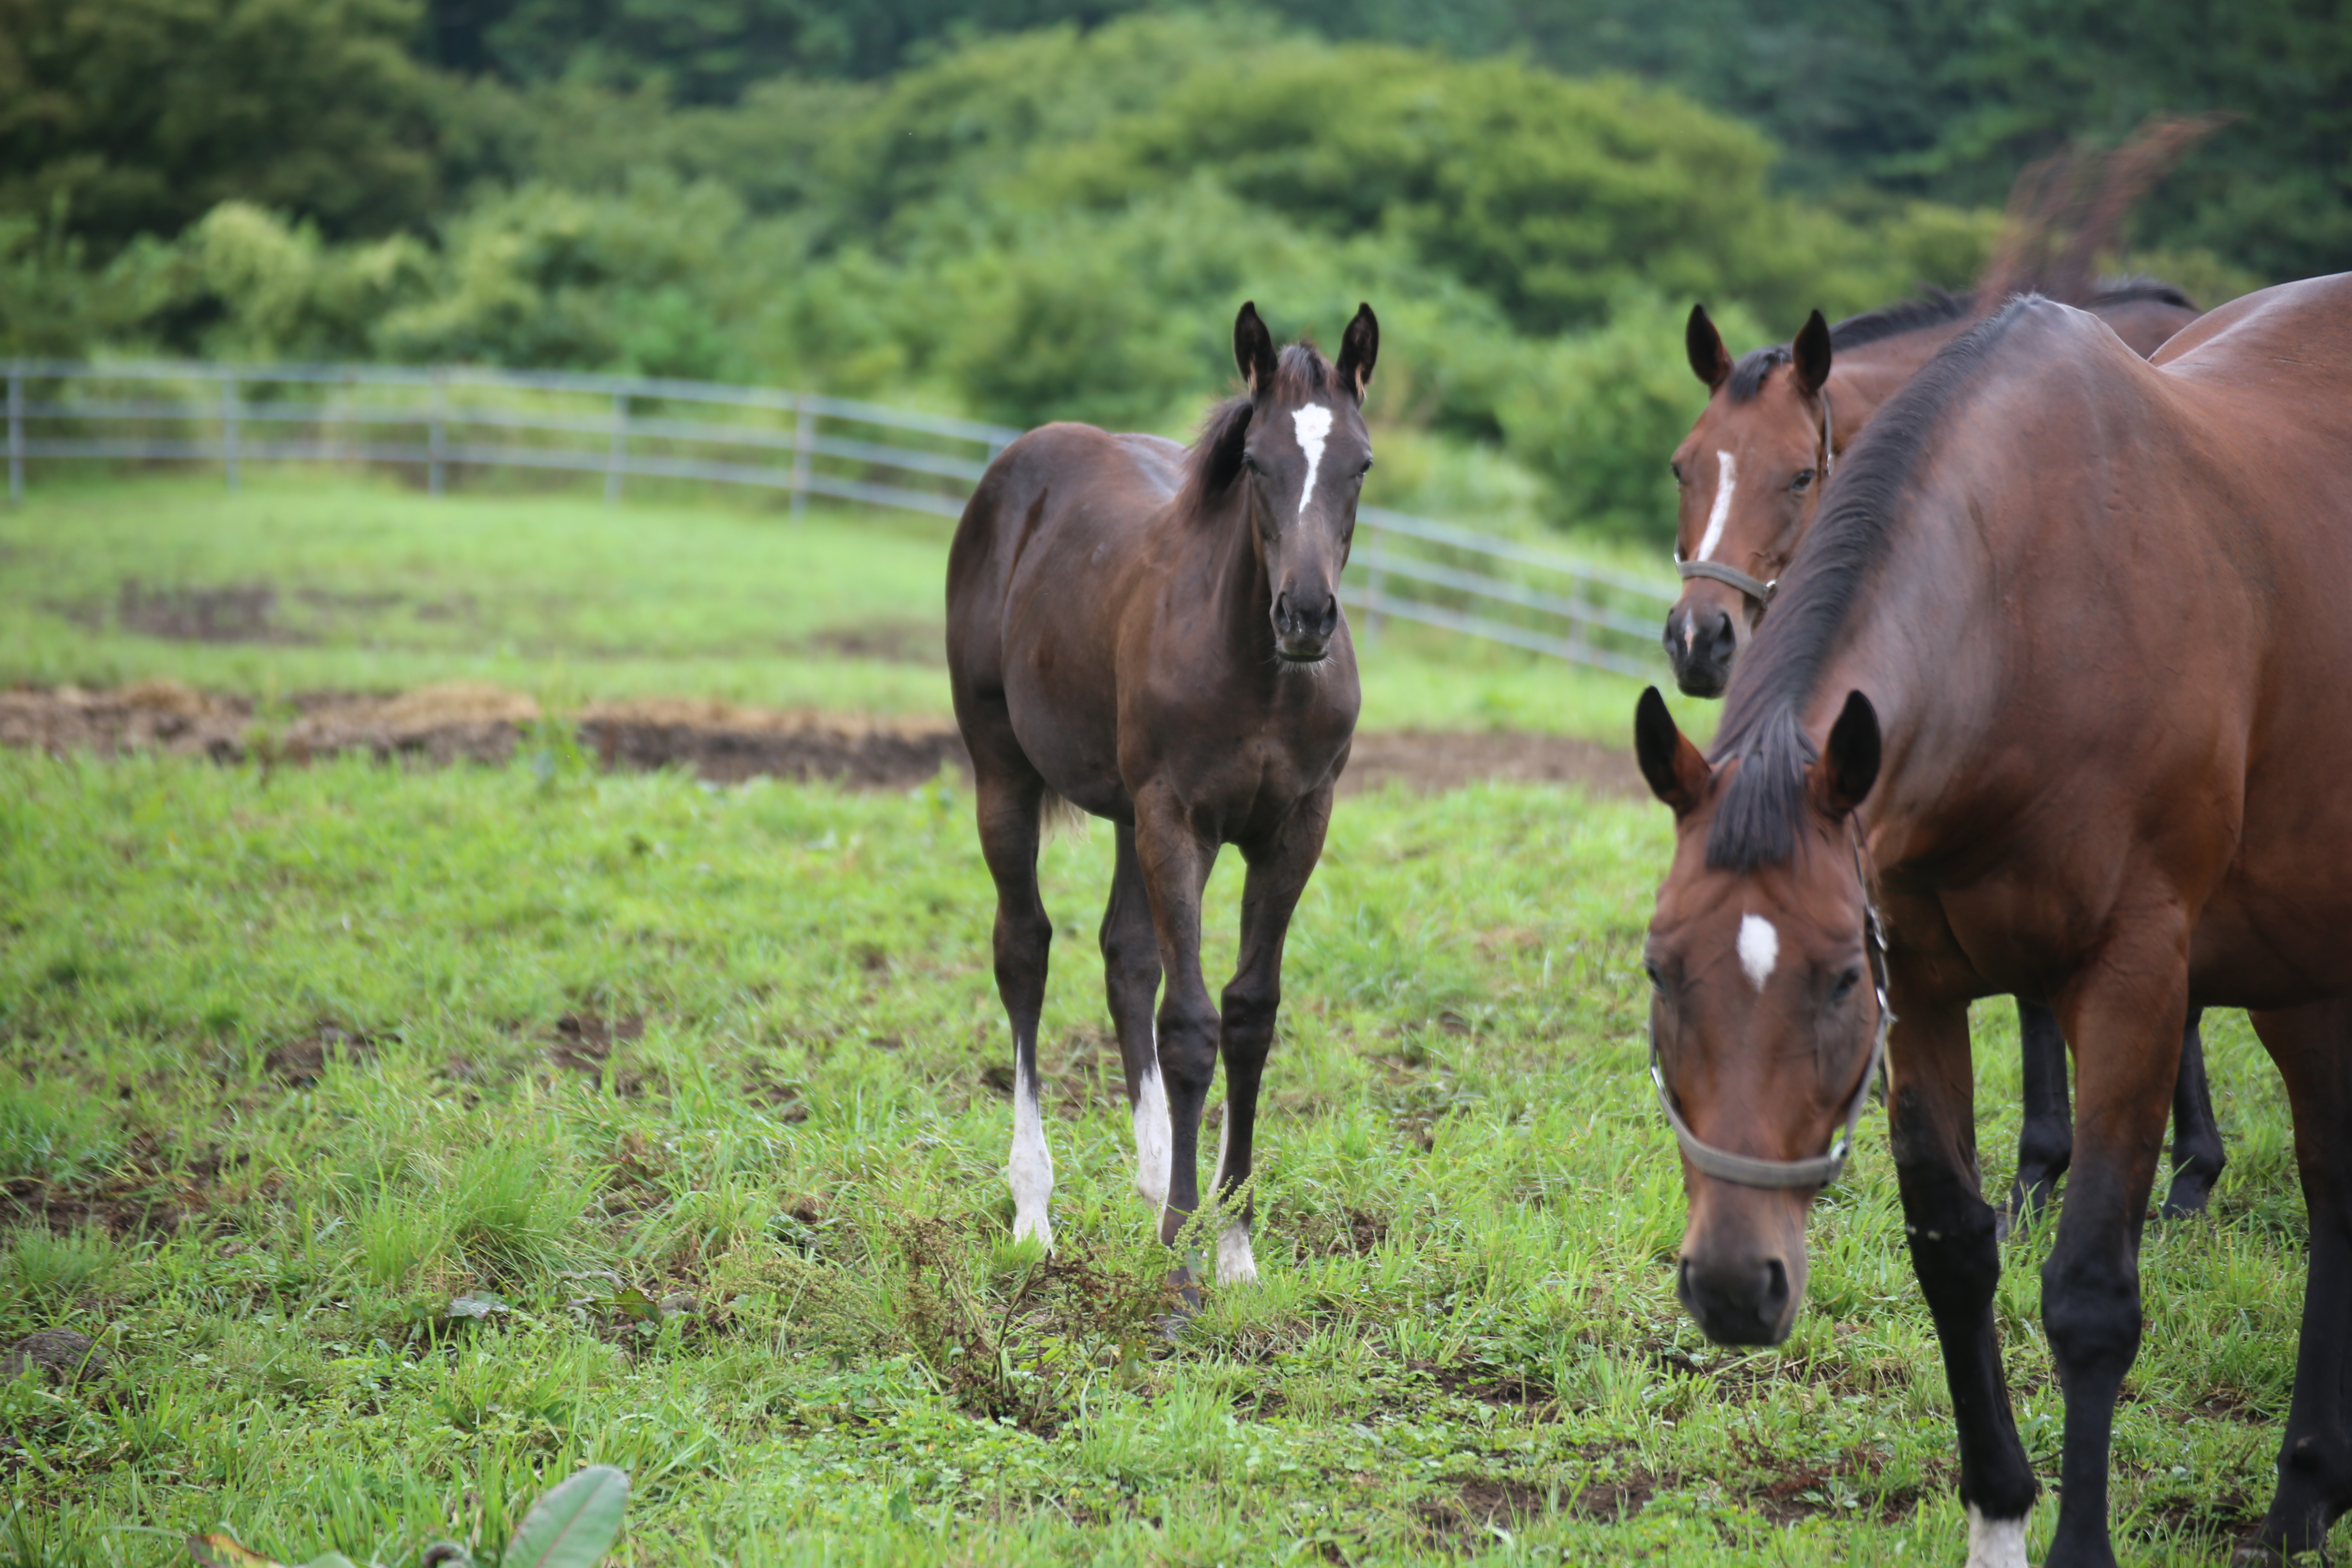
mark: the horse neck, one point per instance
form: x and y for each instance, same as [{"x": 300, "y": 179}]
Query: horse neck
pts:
[
  {"x": 1238, "y": 596},
  {"x": 1862, "y": 380}
]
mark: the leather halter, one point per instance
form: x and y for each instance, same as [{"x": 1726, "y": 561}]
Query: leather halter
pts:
[
  {"x": 1749, "y": 1171},
  {"x": 1756, "y": 588}
]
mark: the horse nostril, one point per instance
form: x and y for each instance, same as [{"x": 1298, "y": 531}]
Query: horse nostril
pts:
[{"x": 1776, "y": 1289}]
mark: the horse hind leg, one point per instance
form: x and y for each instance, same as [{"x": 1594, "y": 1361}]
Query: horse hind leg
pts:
[
  {"x": 2313, "y": 1048},
  {"x": 2197, "y": 1152},
  {"x": 2046, "y": 1144},
  {"x": 1130, "y": 950},
  {"x": 1009, "y": 810}
]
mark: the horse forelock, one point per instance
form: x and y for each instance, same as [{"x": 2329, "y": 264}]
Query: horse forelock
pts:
[
  {"x": 1746, "y": 377},
  {"x": 1761, "y": 807}
]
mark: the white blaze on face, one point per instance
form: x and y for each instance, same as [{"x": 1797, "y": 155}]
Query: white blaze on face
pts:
[
  {"x": 1153, "y": 1153},
  {"x": 1727, "y": 474},
  {"x": 1030, "y": 1171},
  {"x": 1760, "y": 949},
  {"x": 1995, "y": 1542},
  {"x": 1313, "y": 423}
]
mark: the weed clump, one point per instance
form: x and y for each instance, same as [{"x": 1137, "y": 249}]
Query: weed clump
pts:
[{"x": 1021, "y": 1341}]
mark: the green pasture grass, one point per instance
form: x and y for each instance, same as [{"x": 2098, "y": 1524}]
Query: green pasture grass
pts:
[
  {"x": 375, "y": 586},
  {"x": 296, "y": 1061}
]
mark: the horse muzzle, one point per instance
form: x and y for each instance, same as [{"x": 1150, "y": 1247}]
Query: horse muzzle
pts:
[
  {"x": 1742, "y": 1273},
  {"x": 1700, "y": 641},
  {"x": 1304, "y": 624}
]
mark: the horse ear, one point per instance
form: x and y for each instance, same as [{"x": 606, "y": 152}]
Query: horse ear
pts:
[
  {"x": 1676, "y": 772},
  {"x": 1253, "y": 349},
  {"x": 1849, "y": 763},
  {"x": 1709, "y": 360},
  {"x": 1359, "y": 347},
  {"x": 1812, "y": 353}
]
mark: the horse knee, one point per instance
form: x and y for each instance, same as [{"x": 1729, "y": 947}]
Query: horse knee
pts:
[
  {"x": 2092, "y": 1315},
  {"x": 1249, "y": 1011}
]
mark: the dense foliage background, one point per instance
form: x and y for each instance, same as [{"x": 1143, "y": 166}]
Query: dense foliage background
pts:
[{"x": 1029, "y": 209}]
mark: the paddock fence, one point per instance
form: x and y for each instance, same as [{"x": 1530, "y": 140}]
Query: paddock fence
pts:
[{"x": 432, "y": 421}]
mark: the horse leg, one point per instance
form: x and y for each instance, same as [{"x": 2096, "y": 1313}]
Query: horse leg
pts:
[
  {"x": 1277, "y": 875},
  {"x": 2313, "y": 1048},
  {"x": 2197, "y": 1154},
  {"x": 1956, "y": 1255},
  {"x": 1010, "y": 804},
  {"x": 2125, "y": 1014},
  {"x": 1175, "y": 858},
  {"x": 2046, "y": 1143},
  {"x": 1130, "y": 953}
]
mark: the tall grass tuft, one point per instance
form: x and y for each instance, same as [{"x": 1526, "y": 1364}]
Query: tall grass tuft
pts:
[{"x": 512, "y": 1210}]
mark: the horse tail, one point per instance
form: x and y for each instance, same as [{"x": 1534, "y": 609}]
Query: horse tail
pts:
[
  {"x": 1060, "y": 817},
  {"x": 2066, "y": 209}
]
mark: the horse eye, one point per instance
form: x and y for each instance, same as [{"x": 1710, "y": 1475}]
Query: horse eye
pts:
[
  {"x": 1657, "y": 981},
  {"x": 1365, "y": 470},
  {"x": 1249, "y": 461},
  {"x": 1803, "y": 481},
  {"x": 1677, "y": 468},
  {"x": 1845, "y": 984}
]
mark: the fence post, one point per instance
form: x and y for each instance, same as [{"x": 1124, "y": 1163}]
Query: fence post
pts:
[
  {"x": 436, "y": 439},
  {"x": 16, "y": 437},
  {"x": 620, "y": 448},
  {"x": 228, "y": 430},
  {"x": 803, "y": 440},
  {"x": 1579, "y": 598}
]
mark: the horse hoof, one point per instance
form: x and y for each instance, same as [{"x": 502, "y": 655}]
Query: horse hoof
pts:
[{"x": 2187, "y": 1199}]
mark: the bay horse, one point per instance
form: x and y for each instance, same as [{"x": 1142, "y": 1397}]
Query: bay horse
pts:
[
  {"x": 1153, "y": 634},
  {"x": 2051, "y": 698},
  {"x": 1750, "y": 473}
]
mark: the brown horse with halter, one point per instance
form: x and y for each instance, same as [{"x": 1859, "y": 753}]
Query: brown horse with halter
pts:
[
  {"x": 1750, "y": 473},
  {"x": 1153, "y": 634},
  {"x": 2051, "y": 693}
]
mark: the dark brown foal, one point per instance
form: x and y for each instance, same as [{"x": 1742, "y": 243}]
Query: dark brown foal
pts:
[{"x": 1153, "y": 634}]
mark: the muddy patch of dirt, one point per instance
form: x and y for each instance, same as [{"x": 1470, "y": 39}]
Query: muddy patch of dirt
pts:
[
  {"x": 239, "y": 612},
  {"x": 300, "y": 1064},
  {"x": 717, "y": 741},
  {"x": 583, "y": 1042},
  {"x": 1433, "y": 760},
  {"x": 893, "y": 642}
]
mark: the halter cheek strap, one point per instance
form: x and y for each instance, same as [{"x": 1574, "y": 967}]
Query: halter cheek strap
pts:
[
  {"x": 1747, "y": 1170},
  {"x": 1756, "y": 588}
]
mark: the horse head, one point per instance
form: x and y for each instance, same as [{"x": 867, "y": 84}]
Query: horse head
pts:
[
  {"x": 1304, "y": 461},
  {"x": 1750, "y": 472},
  {"x": 1767, "y": 1013}
]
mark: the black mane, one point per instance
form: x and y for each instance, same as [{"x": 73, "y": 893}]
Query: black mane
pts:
[
  {"x": 1933, "y": 308},
  {"x": 1214, "y": 461},
  {"x": 1755, "y": 821},
  {"x": 2132, "y": 291}
]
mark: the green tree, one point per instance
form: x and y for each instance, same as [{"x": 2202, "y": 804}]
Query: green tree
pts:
[{"x": 138, "y": 116}]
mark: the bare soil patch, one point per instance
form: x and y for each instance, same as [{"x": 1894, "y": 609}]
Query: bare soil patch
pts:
[
  {"x": 298, "y": 1064},
  {"x": 719, "y": 740}
]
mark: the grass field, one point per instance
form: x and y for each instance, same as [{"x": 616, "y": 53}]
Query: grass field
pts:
[
  {"x": 295, "y": 1061},
  {"x": 408, "y": 1139},
  {"x": 310, "y": 582}
]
